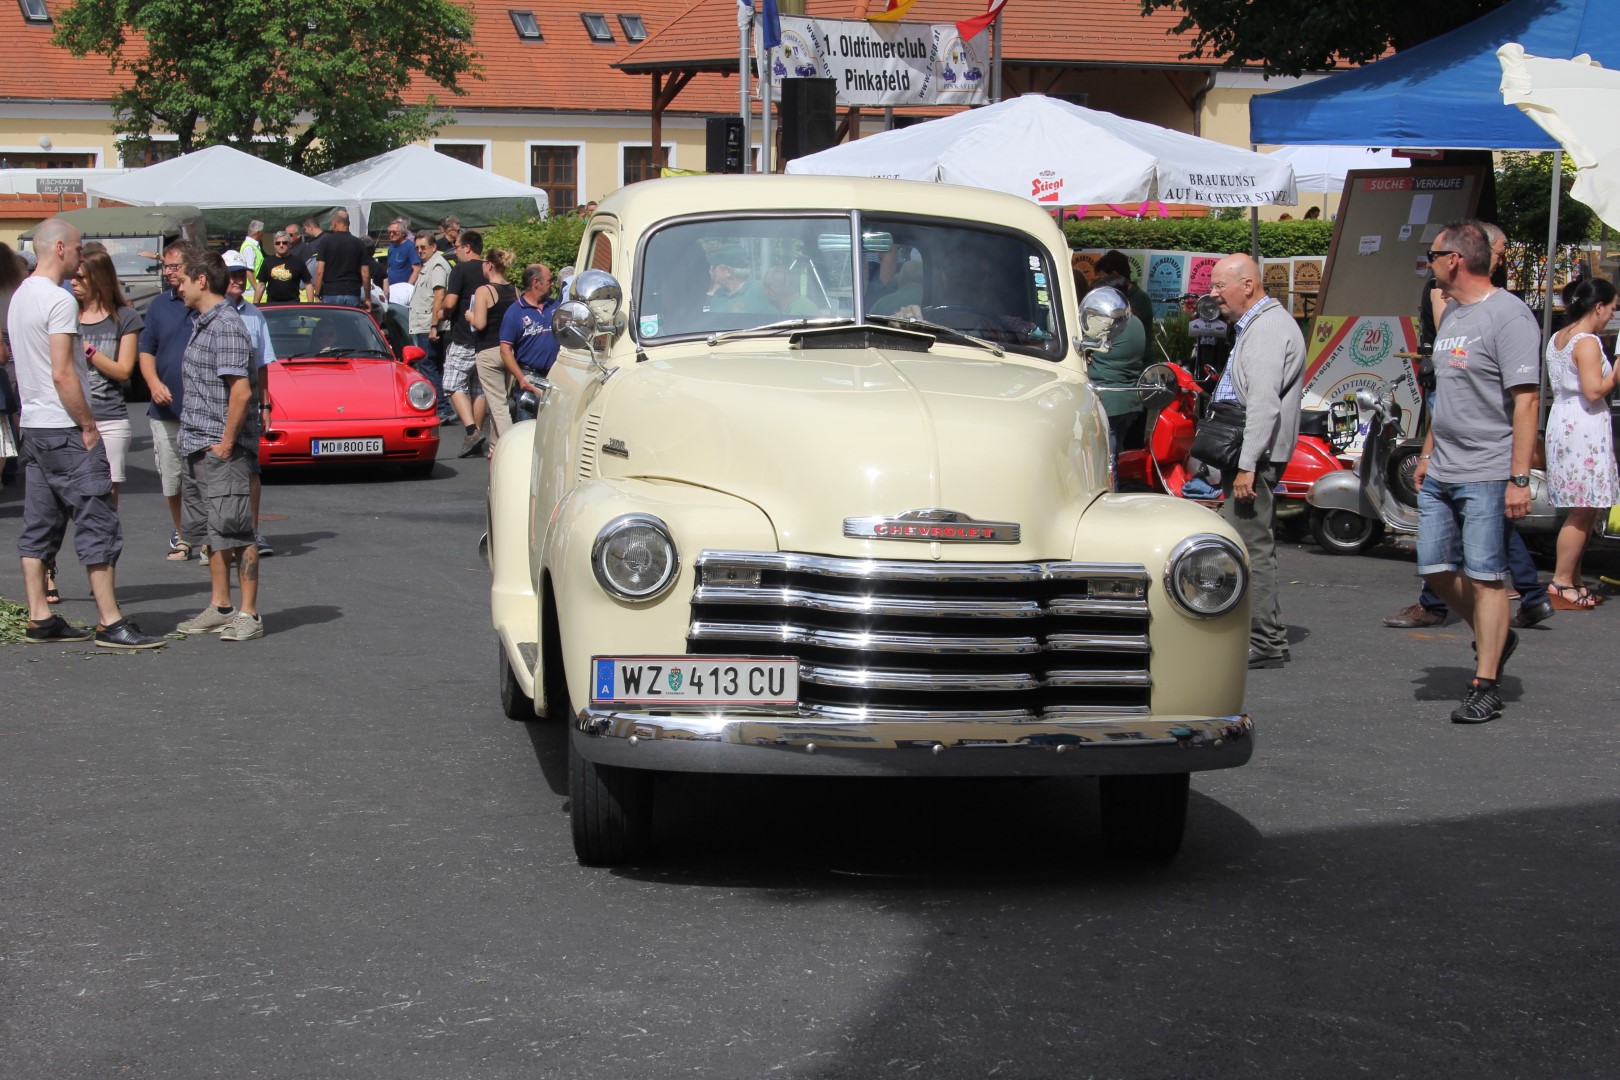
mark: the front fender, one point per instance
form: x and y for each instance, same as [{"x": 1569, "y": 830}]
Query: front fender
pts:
[
  {"x": 1341, "y": 490},
  {"x": 590, "y": 620},
  {"x": 1199, "y": 666}
]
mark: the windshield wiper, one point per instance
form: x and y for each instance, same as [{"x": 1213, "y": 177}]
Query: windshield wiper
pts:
[
  {"x": 779, "y": 327},
  {"x": 937, "y": 329},
  {"x": 332, "y": 351}
]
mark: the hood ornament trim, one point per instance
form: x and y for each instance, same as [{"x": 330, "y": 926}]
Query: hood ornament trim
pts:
[{"x": 933, "y": 526}]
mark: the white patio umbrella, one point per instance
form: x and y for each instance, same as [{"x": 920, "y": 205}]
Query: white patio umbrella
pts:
[
  {"x": 1322, "y": 168},
  {"x": 1059, "y": 154},
  {"x": 1574, "y": 101}
]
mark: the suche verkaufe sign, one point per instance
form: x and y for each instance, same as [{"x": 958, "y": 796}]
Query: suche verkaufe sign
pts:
[{"x": 877, "y": 64}]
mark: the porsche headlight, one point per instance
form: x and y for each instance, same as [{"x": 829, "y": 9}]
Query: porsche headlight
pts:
[
  {"x": 1206, "y": 575},
  {"x": 634, "y": 557},
  {"x": 420, "y": 394}
]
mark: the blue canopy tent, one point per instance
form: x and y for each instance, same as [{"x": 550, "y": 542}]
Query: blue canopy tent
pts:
[{"x": 1444, "y": 93}]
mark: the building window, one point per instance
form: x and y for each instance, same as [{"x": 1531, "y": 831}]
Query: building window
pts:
[
  {"x": 136, "y": 155},
  {"x": 469, "y": 153},
  {"x": 528, "y": 28},
  {"x": 555, "y": 170},
  {"x": 639, "y": 163},
  {"x": 634, "y": 29},
  {"x": 43, "y": 159},
  {"x": 597, "y": 26},
  {"x": 34, "y": 11}
]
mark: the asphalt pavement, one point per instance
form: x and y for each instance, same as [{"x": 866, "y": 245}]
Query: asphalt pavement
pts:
[{"x": 325, "y": 853}]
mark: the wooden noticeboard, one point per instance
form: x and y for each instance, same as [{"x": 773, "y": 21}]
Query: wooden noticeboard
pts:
[{"x": 1387, "y": 220}]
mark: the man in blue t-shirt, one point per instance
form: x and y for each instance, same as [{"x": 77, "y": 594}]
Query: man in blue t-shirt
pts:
[
  {"x": 528, "y": 347},
  {"x": 162, "y": 348},
  {"x": 403, "y": 261}
]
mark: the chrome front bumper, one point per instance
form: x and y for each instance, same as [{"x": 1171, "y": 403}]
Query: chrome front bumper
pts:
[{"x": 707, "y": 742}]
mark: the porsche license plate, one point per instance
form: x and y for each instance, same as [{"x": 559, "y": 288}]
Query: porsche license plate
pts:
[
  {"x": 336, "y": 447},
  {"x": 694, "y": 680}
]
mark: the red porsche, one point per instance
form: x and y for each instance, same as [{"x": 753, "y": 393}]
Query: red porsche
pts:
[{"x": 340, "y": 395}]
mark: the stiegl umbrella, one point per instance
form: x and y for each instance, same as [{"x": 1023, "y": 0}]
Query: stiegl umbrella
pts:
[{"x": 1060, "y": 154}]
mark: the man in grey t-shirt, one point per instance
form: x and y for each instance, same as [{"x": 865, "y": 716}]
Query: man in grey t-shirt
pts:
[{"x": 1475, "y": 466}]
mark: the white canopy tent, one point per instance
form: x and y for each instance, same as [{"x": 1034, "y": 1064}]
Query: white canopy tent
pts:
[
  {"x": 230, "y": 187},
  {"x": 424, "y": 185},
  {"x": 1574, "y": 101},
  {"x": 1059, "y": 154},
  {"x": 1321, "y": 169}
]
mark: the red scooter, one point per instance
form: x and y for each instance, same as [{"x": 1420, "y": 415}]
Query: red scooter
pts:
[{"x": 1173, "y": 400}]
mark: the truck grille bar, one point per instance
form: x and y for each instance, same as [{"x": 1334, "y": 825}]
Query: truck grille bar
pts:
[{"x": 897, "y": 639}]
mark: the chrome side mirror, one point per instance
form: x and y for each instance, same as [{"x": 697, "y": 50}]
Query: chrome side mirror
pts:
[
  {"x": 573, "y": 326},
  {"x": 1156, "y": 386},
  {"x": 599, "y": 291},
  {"x": 1102, "y": 317}
]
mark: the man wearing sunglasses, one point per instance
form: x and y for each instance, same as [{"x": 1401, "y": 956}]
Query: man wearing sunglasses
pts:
[
  {"x": 431, "y": 280},
  {"x": 282, "y": 276},
  {"x": 1475, "y": 467}
]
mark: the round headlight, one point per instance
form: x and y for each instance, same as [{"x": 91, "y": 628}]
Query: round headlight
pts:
[
  {"x": 1206, "y": 575},
  {"x": 420, "y": 394},
  {"x": 634, "y": 557}
]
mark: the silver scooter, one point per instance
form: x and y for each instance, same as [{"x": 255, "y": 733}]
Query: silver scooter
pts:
[{"x": 1351, "y": 509}]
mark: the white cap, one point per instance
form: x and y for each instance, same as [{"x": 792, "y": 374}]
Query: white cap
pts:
[{"x": 234, "y": 261}]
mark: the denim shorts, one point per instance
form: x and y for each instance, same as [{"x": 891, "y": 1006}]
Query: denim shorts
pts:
[{"x": 1463, "y": 527}]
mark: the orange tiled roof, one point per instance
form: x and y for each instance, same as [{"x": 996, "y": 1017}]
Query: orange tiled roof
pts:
[
  {"x": 1094, "y": 33},
  {"x": 568, "y": 72}
]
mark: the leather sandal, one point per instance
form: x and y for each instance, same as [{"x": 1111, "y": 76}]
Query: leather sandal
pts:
[
  {"x": 1570, "y": 597},
  {"x": 181, "y": 552}
]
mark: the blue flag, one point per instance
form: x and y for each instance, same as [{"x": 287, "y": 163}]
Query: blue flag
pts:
[{"x": 770, "y": 24}]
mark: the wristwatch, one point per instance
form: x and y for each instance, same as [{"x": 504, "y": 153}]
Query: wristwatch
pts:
[{"x": 1520, "y": 481}]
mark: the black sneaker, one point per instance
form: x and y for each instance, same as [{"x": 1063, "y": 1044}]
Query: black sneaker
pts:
[
  {"x": 56, "y": 628},
  {"x": 1479, "y": 707},
  {"x": 124, "y": 634},
  {"x": 1508, "y": 648}
]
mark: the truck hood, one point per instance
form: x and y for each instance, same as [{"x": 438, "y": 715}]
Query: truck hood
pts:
[{"x": 816, "y": 436}]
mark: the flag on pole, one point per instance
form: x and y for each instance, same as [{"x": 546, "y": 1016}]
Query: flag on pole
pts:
[
  {"x": 972, "y": 28},
  {"x": 895, "y": 11},
  {"x": 745, "y": 13},
  {"x": 771, "y": 24}
]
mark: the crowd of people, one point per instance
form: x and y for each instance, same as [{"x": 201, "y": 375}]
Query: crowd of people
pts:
[{"x": 72, "y": 342}]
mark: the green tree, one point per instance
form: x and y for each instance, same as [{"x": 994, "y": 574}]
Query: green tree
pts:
[
  {"x": 1291, "y": 37},
  {"x": 553, "y": 240},
  {"x": 1524, "y": 202},
  {"x": 244, "y": 70}
]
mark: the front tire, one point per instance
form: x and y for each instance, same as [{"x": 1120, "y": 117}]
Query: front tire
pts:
[
  {"x": 610, "y": 809},
  {"x": 1343, "y": 532},
  {"x": 514, "y": 702},
  {"x": 1144, "y": 817}
]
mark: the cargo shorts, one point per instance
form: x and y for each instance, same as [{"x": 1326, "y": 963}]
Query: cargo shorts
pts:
[
  {"x": 215, "y": 499},
  {"x": 63, "y": 481}
]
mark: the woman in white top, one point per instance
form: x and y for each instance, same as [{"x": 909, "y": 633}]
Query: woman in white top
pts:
[{"x": 1581, "y": 472}]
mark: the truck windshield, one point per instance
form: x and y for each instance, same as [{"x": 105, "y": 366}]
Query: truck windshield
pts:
[
  {"x": 709, "y": 276},
  {"x": 132, "y": 256}
]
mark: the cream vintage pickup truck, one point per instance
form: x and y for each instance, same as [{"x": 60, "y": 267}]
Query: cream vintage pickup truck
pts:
[{"x": 820, "y": 488}]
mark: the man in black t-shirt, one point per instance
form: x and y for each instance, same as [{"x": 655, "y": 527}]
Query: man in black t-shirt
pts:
[
  {"x": 461, "y": 358},
  {"x": 342, "y": 267},
  {"x": 281, "y": 275}
]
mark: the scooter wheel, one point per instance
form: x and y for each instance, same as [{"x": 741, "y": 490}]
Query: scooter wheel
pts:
[{"x": 1342, "y": 532}]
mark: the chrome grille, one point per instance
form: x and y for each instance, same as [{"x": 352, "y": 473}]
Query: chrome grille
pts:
[{"x": 898, "y": 639}]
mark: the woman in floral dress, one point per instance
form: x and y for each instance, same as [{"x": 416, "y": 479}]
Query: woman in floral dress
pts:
[{"x": 1581, "y": 473}]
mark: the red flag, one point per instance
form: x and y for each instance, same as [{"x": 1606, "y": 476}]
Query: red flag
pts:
[{"x": 971, "y": 28}]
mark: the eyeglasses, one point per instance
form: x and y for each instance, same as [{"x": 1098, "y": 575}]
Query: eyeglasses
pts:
[
  {"x": 171, "y": 266},
  {"x": 1433, "y": 255},
  {"x": 282, "y": 243}
]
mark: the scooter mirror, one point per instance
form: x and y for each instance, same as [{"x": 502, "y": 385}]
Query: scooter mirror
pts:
[{"x": 1156, "y": 386}]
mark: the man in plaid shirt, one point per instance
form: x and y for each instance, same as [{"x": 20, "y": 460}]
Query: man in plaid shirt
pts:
[{"x": 219, "y": 442}]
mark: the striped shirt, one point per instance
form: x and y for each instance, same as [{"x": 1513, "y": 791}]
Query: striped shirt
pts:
[{"x": 220, "y": 346}]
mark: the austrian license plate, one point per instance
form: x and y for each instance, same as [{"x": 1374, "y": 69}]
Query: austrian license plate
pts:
[
  {"x": 335, "y": 447},
  {"x": 693, "y": 680}
]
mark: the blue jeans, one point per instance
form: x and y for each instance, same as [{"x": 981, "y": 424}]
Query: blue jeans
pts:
[
  {"x": 1463, "y": 527},
  {"x": 1526, "y": 580},
  {"x": 342, "y": 299},
  {"x": 432, "y": 368}
]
